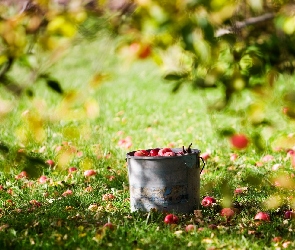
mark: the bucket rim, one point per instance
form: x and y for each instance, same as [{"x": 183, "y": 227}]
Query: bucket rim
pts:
[{"x": 130, "y": 154}]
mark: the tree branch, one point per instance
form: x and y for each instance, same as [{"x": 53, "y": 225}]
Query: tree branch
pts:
[{"x": 240, "y": 25}]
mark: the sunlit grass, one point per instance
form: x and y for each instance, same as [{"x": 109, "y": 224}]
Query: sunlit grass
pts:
[{"x": 93, "y": 127}]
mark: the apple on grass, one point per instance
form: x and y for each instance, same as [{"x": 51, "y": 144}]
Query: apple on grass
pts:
[
  {"x": 262, "y": 216},
  {"x": 89, "y": 172},
  {"x": 72, "y": 169},
  {"x": 109, "y": 225},
  {"x": 208, "y": 201},
  {"x": 51, "y": 163},
  {"x": 171, "y": 219},
  {"x": 190, "y": 228},
  {"x": 205, "y": 156},
  {"x": 227, "y": 212},
  {"x": 289, "y": 214}
]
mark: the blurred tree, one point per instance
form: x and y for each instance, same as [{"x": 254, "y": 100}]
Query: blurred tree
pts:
[{"x": 234, "y": 44}]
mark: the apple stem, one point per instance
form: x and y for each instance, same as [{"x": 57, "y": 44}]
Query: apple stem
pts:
[{"x": 189, "y": 150}]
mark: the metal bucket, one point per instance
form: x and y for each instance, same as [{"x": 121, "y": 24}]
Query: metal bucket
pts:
[{"x": 170, "y": 183}]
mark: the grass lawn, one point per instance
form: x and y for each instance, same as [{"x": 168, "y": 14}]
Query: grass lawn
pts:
[{"x": 93, "y": 127}]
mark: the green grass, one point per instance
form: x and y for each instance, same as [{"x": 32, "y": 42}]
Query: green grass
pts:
[{"x": 133, "y": 101}]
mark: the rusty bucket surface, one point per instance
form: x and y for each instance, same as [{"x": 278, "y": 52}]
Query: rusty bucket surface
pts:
[{"x": 169, "y": 183}]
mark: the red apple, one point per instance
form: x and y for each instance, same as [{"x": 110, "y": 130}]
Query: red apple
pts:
[
  {"x": 43, "y": 179},
  {"x": 51, "y": 163},
  {"x": 212, "y": 226},
  {"x": 268, "y": 158},
  {"x": 154, "y": 152},
  {"x": 162, "y": 151},
  {"x": 277, "y": 239},
  {"x": 171, "y": 219},
  {"x": 239, "y": 141},
  {"x": 144, "y": 51},
  {"x": 227, "y": 212},
  {"x": 72, "y": 169},
  {"x": 180, "y": 153},
  {"x": 141, "y": 152},
  {"x": 208, "y": 201},
  {"x": 108, "y": 197},
  {"x": 289, "y": 214},
  {"x": 21, "y": 175},
  {"x": 262, "y": 216},
  {"x": 169, "y": 154},
  {"x": 109, "y": 225},
  {"x": 240, "y": 190},
  {"x": 90, "y": 172},
  {"x": 68, "y": 192},
  {"x": 35, "y": 203},
  {"x": 190, "y": 228},
  {"x": 205, "y": 156},
  {"x": 233, "y": 157}
]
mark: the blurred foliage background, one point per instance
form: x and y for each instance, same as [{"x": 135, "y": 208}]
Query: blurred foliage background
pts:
[{"x": 238, "y": 47}]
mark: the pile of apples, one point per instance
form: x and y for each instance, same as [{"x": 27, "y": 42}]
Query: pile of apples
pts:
[{"x": 155, "y": 152}]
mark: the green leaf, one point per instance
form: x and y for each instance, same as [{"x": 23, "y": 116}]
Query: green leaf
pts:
[
  {"x": 187, "y": 36},
  {"x": 290, "y": 97},
  {"x": 177, "y": 86},
  {"x": 4, "y": 148},
  {"x": 175, "y": 76},
  {"x": 226, "y": 132},
  {"x": 54, "y": 85}
]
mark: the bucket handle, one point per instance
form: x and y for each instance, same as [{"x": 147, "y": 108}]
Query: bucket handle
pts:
[{"x": 203, "y": 164}]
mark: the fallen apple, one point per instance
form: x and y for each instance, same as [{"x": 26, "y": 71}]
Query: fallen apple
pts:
[
  {"x": 72, "y": 169},
  {"x": 109, "y": 225},
  {"x": 43, "y": 179},
  {"x": 262, "y": 216},
  {"x": 90, "y": 172},
  {"x": 51, "y": 163},
  {"x": 208, "y": 201},
  {"x": 171, "y": 219},
  {"x": 190, "y": 228},
  {"x": 205, "y": 156},
  {"x": 227, "y": 212},
  {"x": 289, "y": 214}
]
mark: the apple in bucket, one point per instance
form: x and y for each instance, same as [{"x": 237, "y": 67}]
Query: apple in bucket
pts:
[{"x": 156, "y": 152}]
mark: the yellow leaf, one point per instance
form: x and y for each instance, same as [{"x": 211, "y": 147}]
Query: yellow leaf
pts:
[
  {"x": 284, "y": 142},
  {"x": 256, "y": 112},
  {"x": 289, "y": 25},
  {"x": 92, "y": 108},
  {"x": 99, "y": 236},
  {"x": 87, "y": 163},
  {"x": 3, "y": 59},
  {"x": 97, "y": 79},
  {"x": 64, "y": 159},
  {"x": 273, "y": 202},
  {"x": 82, "y": 235},
  {"x": 207, "y": 241}
]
